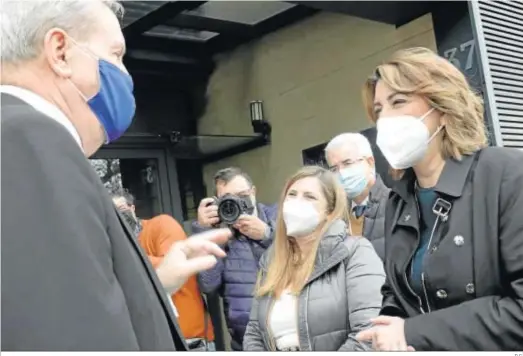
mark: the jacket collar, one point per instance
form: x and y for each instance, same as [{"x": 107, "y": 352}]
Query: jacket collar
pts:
[
  {"x": 43, "y": 106},
  {"x": 451, "y": 182},
  {"x": 330, "y": 253},
  {"x": 262, "y": 214},
  {"x": 379, "y": 190}
]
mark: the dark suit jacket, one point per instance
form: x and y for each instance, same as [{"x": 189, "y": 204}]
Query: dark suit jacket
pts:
[{"x": 73, "y": 277}]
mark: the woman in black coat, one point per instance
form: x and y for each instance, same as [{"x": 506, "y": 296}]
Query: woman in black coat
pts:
[{"x": 454, "y": 220}]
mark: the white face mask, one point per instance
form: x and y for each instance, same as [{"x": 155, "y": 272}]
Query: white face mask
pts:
[
  {"x": 300, "y": 216},
  {"x": 404, "y": 140}
]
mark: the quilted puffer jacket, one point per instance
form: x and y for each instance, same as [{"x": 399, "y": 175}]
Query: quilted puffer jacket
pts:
[
  {"x": 235, "y": 276},
  {"x": 340, "y": 298}
]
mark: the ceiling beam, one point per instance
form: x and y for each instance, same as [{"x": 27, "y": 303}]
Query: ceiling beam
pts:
[
  {"x": 194, "y": 49},
  {"x": 151, "y": 78},
  {"x": 197, "y": 71},
  {"x": 297, "y": 13},
  {"x": 155, "y": 56},
  {"x": 202, "y": 23},
  {"x": 389, "y": 12},
  {"x": 157, "y": 17},
  {"x": 167, "y": 64}
]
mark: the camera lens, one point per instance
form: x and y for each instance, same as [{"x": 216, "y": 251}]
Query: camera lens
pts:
[{"x": 229, "y": 211}]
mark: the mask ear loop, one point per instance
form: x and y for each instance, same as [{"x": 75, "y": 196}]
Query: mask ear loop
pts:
[
  {"x": 93, "y": 56},
  {"x": 77, "y": 90},
  {"x": 427, "y": 114},
  {"x": 83, "y": 49},
  {"x": 440, "y": 127}
]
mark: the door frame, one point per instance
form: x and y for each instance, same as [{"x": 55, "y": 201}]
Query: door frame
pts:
[
  {"x": 170, "y": 193},
  {"x": 167, "y": 173}
]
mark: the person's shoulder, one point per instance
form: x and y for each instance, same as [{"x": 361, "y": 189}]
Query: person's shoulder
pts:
[
  {"x": 500, "y": 164},
  {"x": 501, "y": 157},
  {"x": 164, "y": 220},
  {"x": 24, "y": 117},
  {"x": 22, "y": 125},
  {"x": 379, "y": 190},
  {"x": 268, "y": 207},
  {"x": 339, "y": 234},
  {"x": 271, "y": 211},
  {"x": 356, "y": 243},
  {"x": 266, "y": 257},
  {"x": 362, "y": 254}
]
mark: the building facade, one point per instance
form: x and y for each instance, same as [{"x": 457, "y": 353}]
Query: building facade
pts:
[
  {"x": 197, "y": 65},
  {"x": 309, "y": 76}
]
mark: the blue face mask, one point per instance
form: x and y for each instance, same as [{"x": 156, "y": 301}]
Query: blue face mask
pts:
[
  {"x": 354, "y": 180},
  {"x": 114, "y": 104}
]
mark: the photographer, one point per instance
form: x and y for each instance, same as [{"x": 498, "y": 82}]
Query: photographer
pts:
[{"x": 235, "y": 276}]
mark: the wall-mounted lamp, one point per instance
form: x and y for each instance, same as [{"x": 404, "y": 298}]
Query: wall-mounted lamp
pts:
[
  {"x": 212, "y": 148},
  {"x": 259, "y": 124}
]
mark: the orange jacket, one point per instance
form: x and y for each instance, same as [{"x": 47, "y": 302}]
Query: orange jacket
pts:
[{"x": 156, "y": 237}]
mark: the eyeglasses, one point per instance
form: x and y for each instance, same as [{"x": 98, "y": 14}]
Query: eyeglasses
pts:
[{"x": 344, "y": 164}]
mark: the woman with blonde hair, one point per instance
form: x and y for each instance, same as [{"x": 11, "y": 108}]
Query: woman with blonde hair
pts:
[
  {"x": 317, "y": 288},
  {"x": 454, "y": 219}
]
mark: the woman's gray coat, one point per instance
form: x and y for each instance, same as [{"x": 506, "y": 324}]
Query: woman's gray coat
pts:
[{"x": 337, "y": 302}]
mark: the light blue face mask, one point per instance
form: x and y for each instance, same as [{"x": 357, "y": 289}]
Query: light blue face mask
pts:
[{"x": 354, "y": 180}]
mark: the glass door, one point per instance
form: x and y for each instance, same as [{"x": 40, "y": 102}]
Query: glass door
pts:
[{"x": 148, "y": 174}]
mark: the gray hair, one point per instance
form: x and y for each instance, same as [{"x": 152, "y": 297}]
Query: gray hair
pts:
[
  {"x": 360, "y": 143},
  {"x": 123, "y": 193},
  {"x": 24, "y": 23}
]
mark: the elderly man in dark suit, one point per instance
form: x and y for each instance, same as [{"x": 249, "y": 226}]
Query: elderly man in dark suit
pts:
[
  {"x": 350, "y": 156},
  {"x": 73, "y": 276}
]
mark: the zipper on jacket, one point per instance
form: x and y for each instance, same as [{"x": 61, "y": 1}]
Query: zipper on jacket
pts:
[
  {"x": 298, "y": 318},
  {"x": 422, "y": 264},
  {"x": 420, "y": 302},
  {"x": 271, "y": 341},
  {"x": 425, "y": 291},
  {"x": 306, "y": 319}
]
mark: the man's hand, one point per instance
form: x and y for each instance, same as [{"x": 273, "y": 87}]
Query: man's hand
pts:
[
  {"x": 185, "y": 258},
  {"x": 387, "y": 334},
  {"x": 208, "y": 213},
  {"x": 251, "y": 226}
]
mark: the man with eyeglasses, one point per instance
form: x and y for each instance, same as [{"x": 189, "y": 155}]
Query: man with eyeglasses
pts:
[{"x": 350, "y": 156}]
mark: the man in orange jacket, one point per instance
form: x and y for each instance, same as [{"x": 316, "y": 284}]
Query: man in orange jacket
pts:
[{"x": 156, "y": 236}]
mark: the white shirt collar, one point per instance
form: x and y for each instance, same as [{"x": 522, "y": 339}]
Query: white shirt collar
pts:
[{"x": 44, "y": 106}]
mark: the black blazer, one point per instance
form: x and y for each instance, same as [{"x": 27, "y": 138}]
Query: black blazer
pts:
[
  {"x": 73, "y": 277},
  {"x": 472, "y": 296}
]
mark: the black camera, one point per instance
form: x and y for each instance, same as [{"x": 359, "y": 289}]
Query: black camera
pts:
[{"x": 230, "y": 207}]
